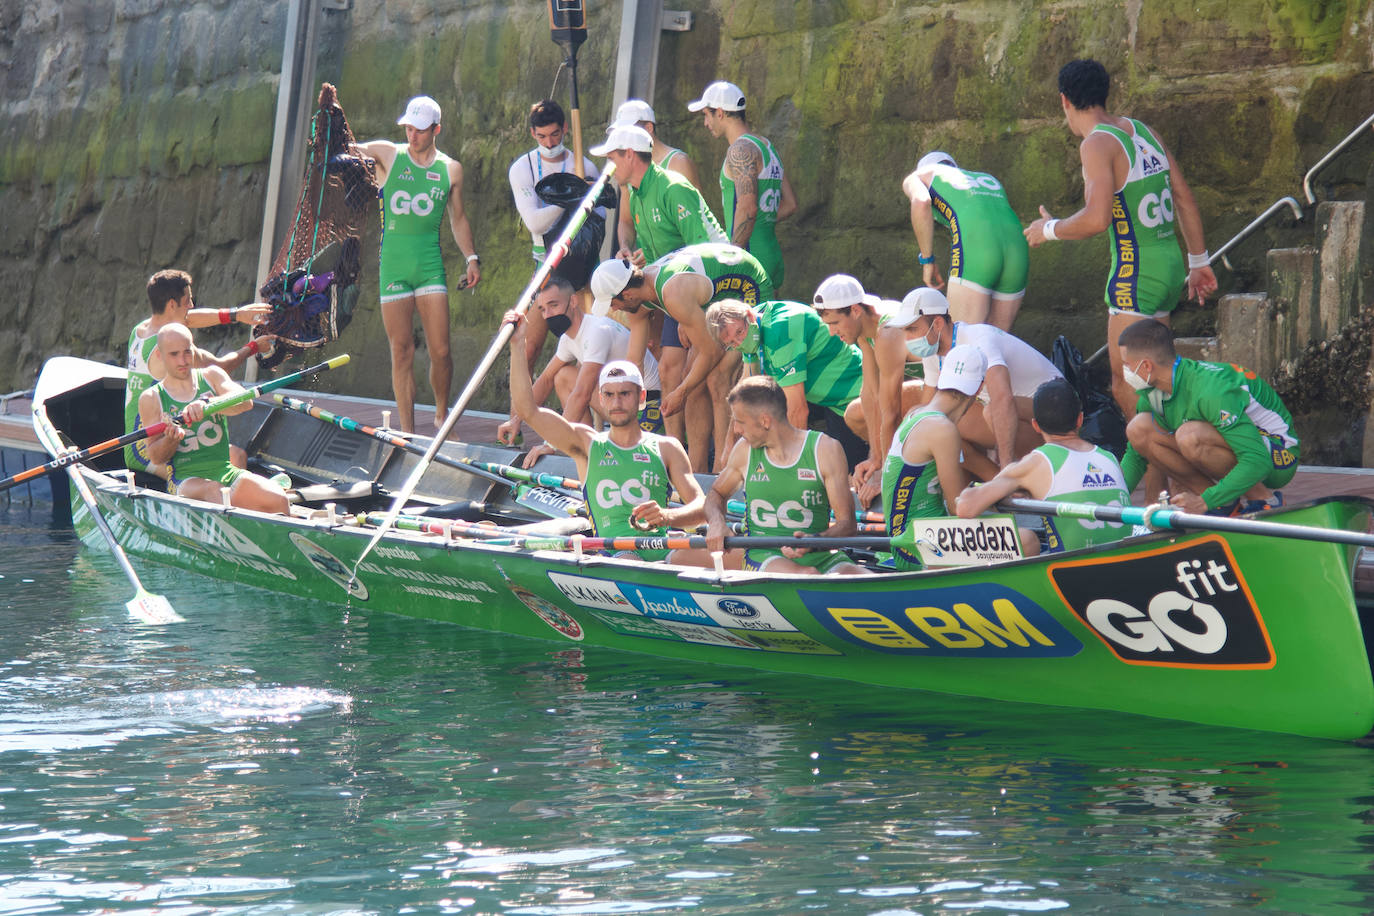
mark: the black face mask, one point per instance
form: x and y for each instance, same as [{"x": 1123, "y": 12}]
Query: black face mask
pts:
[{"x": 558, "y": 324}]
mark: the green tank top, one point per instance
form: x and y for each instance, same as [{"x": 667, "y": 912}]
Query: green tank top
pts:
[
  {"x": 734, "y": 273},
  {"x": 1092, "y": 477},
  {"x": 618, "y": 479},
  {"x": 140, "y": 380},
  {"x": 910, "y": 491},
  {"x": 763, "y": 241},
  {"x": 413, "y": 201},
  {"x": 205, "y": 450},
  {"x": 784, "y": 500},
  {"x": 1143, "y": 238}
]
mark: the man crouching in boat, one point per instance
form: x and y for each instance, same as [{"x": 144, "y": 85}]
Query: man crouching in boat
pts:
[
  {"x": 924, "y": 469},
  {"x": 626, "y": 471},
  {"x": 197, "y": 455},
  {"x": 1067, "y": 468},
  {"x": 793, "y": 479}
]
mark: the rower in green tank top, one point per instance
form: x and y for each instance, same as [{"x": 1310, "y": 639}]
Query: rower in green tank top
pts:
[
  {"x": 1066, "y": 469},
  {"x": 755, "y": 193}
]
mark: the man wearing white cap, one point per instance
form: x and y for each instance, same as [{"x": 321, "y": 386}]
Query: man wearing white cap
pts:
[
  {"x": 419, "y": 185},
  {"x": 586, "y": 343},
  {"x": 755, "y": 193},
  {"x": 923, "y": 474},
  {"x": 1014, "y": 370},
  {"x": 682, "y": 285},
  {"x": 626, "y": 472},
  {"x": 988, "y": 254},
  {"x": 638, "y": 113}
]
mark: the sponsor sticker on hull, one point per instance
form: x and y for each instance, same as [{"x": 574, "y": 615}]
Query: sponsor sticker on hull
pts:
[{"x": 1182, "y": 606}]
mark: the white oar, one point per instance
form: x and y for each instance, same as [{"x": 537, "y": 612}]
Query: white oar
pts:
[{"x": 555, "y": 254}]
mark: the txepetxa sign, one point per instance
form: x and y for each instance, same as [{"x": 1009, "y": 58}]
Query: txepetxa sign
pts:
[
  {"x": 966, "y": 541},
  {"x": 1183, "y": 606},
  {"x": 965, "y": 621}
]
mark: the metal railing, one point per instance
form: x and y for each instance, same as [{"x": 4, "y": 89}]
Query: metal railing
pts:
[
  {"x": 1336, "y": 150},
  {"x": 1276, "y": 206}
]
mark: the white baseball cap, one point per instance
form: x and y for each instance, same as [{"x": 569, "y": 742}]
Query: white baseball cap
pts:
[
  {"x": 840, "y": 291},
  {"x": 422, "y": 113},
  {"x": 620, "y": 370},
  {"x": 935, "y": 158},
  {"x": 923, "y": 300},
  {"x": 963, "y": 369},
  {"x": 608, "y": 281},
  {"x": 629, "y": 137},
  {"x": 722, "y": 95},
  {"x": 632, "y": 112}
]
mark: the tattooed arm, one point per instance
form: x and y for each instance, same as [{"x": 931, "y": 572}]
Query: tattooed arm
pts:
[{"x": 743, "y": 163}]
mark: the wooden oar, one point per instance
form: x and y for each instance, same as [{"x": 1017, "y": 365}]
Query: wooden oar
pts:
[
  {"x": 144, "y": 605},
  {"x": 1164, "y": 517},
  {"x": 213, "y": 406},
  {"x": 554, "y": 255}
]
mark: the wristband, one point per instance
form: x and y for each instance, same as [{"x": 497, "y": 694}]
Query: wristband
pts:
[
  {"x": 1048, "y": 230},
  {"x": 473, "y": 257},
  {"x": 925, "y": 259},
  {"x": 252, "y": 346},
  {"x": 1198, "y": 260},
  {"x": 226, "y": 315}
]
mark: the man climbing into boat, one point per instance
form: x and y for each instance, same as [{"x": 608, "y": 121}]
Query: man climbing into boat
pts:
[
  {"x": 819, "y": 373},
  {"x": 793, "y": 479},
  {"x": 754, "y": 191},
  {"x": 420, "y": 185},
  {"x": 924, "y": 472},
  {"x": 1067, "y": 468},
  {"x": 171, "y": 301},
  {"x": 1133, "y": 187},
  {"x": 682, "y": 285},
  {"x": 195, "y": 457},
  {"x": 1219, "y": 432},
  {"x": 661, "y": 212},
  {"x": 586, "y": 343},
  {"x": 988, "y": 253},
  {"x": 1014, "y": 370},
  {"x": 627, "y": 473}
]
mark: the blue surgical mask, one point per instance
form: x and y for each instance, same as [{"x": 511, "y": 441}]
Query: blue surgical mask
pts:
[
  {"x": 921, "y": 347},
  {"x": 553, "y": 152}
]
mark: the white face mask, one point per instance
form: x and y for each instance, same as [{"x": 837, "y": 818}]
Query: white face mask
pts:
[
  {"x": 1133, "y": 379},
  {"x": 921, "y": 347},
  {"x": 553, "y": 152}
]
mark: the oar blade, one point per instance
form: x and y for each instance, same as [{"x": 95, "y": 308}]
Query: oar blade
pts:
[{"x": 146, "y": 607}]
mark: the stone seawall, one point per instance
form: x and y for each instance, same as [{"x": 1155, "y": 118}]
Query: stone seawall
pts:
[{"x": 134, "y": 134}]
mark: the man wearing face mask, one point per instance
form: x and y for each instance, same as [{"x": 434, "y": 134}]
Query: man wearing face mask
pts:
[
  {"x": 1014, "y": 370},
  {"x": 1219, "y": 432},
  {"x": 819, "y": 373},
  {"x": 586, "y": 343}
]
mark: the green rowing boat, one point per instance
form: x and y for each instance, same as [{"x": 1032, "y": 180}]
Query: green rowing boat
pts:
[{"x": 1219, "y": 627}]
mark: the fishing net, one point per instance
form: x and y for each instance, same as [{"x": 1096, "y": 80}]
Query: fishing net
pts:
[{"x": 313, "y": 285}]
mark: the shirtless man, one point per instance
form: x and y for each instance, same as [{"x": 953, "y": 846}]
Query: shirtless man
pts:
[
  {"x": 419, "y": 185},
  {"x": 1133, "y": 187},
  {"x": 171, "y": 302},
  {"x": 988, "y": 253},
  {"x": 754, "y": 192},
  {"x": 196, "y": 456}
]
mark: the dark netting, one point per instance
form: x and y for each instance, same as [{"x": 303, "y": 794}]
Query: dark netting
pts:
[{"x": 313, "y": 284}]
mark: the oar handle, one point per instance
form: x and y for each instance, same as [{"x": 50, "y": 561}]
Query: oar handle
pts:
[{"x": 225, "y": 401}]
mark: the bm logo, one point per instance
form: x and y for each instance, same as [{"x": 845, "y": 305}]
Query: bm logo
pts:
[{"x": 1184, "y": 606}]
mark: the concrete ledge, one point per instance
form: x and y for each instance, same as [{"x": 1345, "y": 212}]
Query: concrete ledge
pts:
[{"x": 1247, "y": 331}]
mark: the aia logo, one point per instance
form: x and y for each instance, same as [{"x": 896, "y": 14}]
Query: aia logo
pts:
[{"x": 1184, "y": 606}]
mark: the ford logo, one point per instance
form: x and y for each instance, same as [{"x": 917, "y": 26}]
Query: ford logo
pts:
[{"x": 740, "y": 609}]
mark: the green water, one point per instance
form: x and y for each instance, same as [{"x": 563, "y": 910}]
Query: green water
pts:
[{"x": 272, "y": 755}]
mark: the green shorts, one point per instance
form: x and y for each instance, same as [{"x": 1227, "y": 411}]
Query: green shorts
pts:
[
  {"x": 227, "y": 479},
  {"x": 996, "y": 260},
  {"x": 411, "y": 266},
  {"x": 823, "y": 561},
  {"x": 1285, "y": 461},
  {"x": 763, "y": 244},
  {"x": 1132, "y": 290}
]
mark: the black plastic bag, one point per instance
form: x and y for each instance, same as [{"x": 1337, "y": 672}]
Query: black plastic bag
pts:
[
  {"x": 1103, "y": 422},
  {"x": 566, "y": 190}
]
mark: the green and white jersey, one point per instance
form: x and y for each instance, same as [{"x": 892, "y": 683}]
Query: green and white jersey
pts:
[
  {"x": 1240, "y": 405},
  {"x": 413, "y": 201},
  {"x": 204, "y": 452},
  {"x": 618, "y": 479},
  {"x": 910, "y": 491},
  {"x": 1091, "y": 477},
  {"x": 796, "y": 346},
  {"x": 786, "y": 499},
  {"x": 763, "y": 241},
  {"x": 1147, "y": 265},
  {"x": 669, "y": 213},
  {"x": 140, "y": 380},
  {"x": 734, "y": 273}
]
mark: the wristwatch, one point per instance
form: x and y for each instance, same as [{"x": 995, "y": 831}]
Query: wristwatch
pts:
[{"x": 925, "y": 258}]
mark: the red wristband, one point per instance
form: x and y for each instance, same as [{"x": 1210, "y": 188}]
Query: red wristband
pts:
[
  {"x": 253, "y": 346},
  {"x": 225, "y": 316}
]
